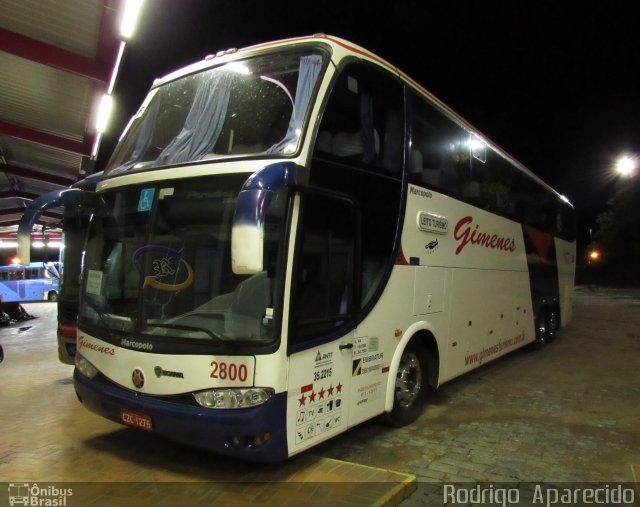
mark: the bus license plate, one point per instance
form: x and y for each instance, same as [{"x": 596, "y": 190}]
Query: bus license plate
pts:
[{"x": 136, "y": 419}]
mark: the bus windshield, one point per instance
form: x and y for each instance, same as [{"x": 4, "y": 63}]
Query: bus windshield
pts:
[
  {"x": 245, "y": 107},
  {"x": 158, "y": 265}
]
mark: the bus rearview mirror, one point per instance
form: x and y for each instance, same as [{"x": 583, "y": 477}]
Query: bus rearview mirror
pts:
[
  {"x": 69, "y": 197},
  {"x": 247, "y": 233}
]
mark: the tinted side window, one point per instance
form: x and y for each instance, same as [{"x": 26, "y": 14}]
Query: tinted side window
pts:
[
  {"x": 359, "y": 152},
  {"x": 566, "y": 222},
  {"x": 16, "y": 274},
  {"x": 495, "y": 182},
  {"x": 439, "y": 156},
  {"x": 323, "y": 293},
  {"x": 363, "y": 122}
]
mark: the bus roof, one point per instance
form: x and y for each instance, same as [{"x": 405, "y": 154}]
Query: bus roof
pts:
[{"x": 342, "y": 45}]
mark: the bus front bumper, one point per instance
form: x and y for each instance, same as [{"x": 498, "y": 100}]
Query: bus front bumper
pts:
[
  {"x": 252, "y": 434},
  {"x": 66, "y": 349}
]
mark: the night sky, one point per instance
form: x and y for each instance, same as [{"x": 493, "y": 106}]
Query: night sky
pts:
[{"x": 553, "y": 83}]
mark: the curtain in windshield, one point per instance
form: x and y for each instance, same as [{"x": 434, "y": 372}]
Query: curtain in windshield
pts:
[
  {"x": 204, "y": 121},
  {"x": 244, "y": 107},
  {"x": 309, "y": 69}
]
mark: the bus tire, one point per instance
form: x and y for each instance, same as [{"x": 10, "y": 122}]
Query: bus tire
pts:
[
  {"x": 52, "y": 296},
  {"x": 553, "y": 323},
  {"x": 542, "y": 330},
  {"x": 411, "y": 385}
]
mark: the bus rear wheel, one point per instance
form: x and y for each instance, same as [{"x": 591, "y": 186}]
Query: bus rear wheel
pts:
[
  {"x": 553, "y": 323},
  {"x": 411, "y": 386},
  {"x": 52, "y": 296},
  {"x": 542, "y": 330}
]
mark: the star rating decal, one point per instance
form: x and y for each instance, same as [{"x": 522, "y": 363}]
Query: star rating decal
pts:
[
  {"x": 322, "y": 394},
  {"x": 312, "y": 395}
]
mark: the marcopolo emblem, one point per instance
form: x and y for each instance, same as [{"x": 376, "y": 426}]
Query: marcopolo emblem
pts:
[{"x": 137, "y": 377}]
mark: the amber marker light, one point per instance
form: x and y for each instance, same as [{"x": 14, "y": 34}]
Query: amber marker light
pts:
[{"x": 594, "y": 256}]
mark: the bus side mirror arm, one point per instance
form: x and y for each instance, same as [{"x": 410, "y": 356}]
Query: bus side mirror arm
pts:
[{"x": 69, "y": 197}]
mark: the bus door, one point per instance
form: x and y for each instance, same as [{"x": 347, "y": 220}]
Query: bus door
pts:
[{"x": 322, "y": 327}]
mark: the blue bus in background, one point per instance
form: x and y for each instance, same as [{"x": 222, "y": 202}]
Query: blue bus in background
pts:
[{"x": 37, "y": 281}]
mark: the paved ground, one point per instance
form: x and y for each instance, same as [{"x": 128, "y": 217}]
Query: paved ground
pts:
[{"x": 569, "y": 412}]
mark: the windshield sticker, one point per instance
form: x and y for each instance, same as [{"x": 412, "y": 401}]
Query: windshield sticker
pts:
[
  {"x": 165, "y": 192},
  {"x": 94, "y": 282},
  {"x": 352, "y": 84},
  {"x": 167, "y": 264},
  {"x": 146, "y": 199}
]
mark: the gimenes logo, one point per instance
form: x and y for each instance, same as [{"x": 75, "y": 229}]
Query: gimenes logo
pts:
[
  {"x": 465, "y": 233},
  {"x": 165, "y": 263}
]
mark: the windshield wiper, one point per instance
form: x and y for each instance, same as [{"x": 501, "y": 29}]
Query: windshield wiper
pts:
[
  {"x": 86, "y": 298},
  {"x": 214, "y": 336}
]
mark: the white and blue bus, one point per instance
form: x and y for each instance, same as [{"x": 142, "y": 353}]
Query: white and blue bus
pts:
[
  {"x": 36, "y": 281},
  {"x": 75, "y": 221},
  {"x": 294, "y": 238}
]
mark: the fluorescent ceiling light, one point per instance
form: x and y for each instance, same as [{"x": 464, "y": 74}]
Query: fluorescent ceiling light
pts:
[
  {"x": 130, "y": 18},
  {"x": 104, "y": 112}
]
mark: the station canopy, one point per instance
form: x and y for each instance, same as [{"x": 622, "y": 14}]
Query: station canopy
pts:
[{"x": 58, "y": 59}]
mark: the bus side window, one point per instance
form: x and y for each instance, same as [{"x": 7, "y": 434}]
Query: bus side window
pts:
[
  {"x": 359, "y": 152},
  {"x": 363, "y": 123},
  {"x": 439, "y": 157},
  {"x": 16, "y": 274},
  {"x": 323, "y": 290}
]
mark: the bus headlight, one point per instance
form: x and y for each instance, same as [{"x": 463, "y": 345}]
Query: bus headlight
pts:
[
  {"x": 85, "y": 367},
  {"x": 233, "y": 398}
]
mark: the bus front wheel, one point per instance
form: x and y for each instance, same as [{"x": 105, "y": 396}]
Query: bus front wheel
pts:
[
  {"x": 411, "y": 386},
  {"x": 52, "y": 297}
]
